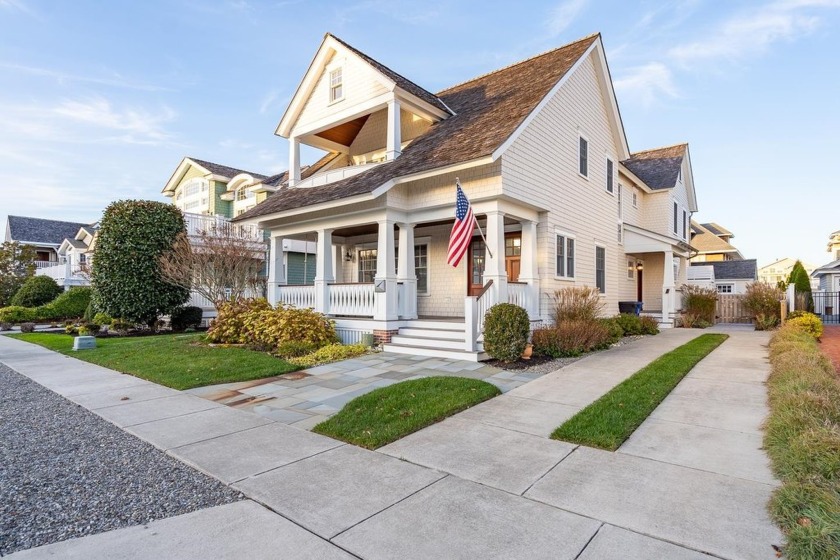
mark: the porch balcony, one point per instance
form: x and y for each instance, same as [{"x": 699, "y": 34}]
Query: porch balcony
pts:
[{"x": 201, "y": 224}]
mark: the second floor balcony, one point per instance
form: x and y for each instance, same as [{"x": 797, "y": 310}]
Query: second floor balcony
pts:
[{"x": 200, "y": 224}]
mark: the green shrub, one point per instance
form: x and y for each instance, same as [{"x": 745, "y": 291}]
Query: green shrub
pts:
[
  {"x": 185, "y": 318},
  {"x": 17, "y": 263},
  {"x": 17, "y": 314},
  {"x": 102, "y": 319},
  {"x": 797, "y": 313},
  {"x": 630, "y": 323},
  {"x": 5, "y": 326},
  {"x": 36, "y": 291},
  {"x": 506, "y": 329},
  {"x": 295, "y": 349},
  {"x": 329, "y": 353},
  {"x": 133, "y": 234},
  {"x": 121, "y": 326},
  {"x": 649, "y": 325},
  {"x": 700, "y": 302},
  {"x": 762, "y": 299},
  {"x": 809, "y": 323},
  {"x": 577, "y": 303},
  {"x": 270, "y": 328},
  {"x": 570, "y": 338},
  {"x": 614, "y": 328},
  {"x": 89, "y": 329},
  {"x": 69, "y": 305},
  {"x": 27, "y": 327},
  {"x": 229, "y": 326}
]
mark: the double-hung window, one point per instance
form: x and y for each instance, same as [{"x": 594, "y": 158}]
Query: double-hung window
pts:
[
  {"x": 565, "y": 263},
  {"x": 336, "y": 85},
  {"x": 367, "y": 265},
  {"x": 421, "y": 266},
  {"x": 610, "y": 176},
  {"x": 583, "y": 156},
  {"x": 685, "y": 224},
  {"x": 601, "y": 269},
  {"x": 675, "y": 219}
]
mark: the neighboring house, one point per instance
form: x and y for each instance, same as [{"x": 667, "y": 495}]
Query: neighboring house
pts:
[
  {"x": 828, "y": 275},
  {"x": 834, "y": 245},
  {"x": 541, "y": 152},
  {"x": 45, "y": 236},
  {"x": 75, "y": 256},
  {"x": 711, "y": 243},
  {"x": 779, "y": 271},
  {"x": 727, "y": 277}
]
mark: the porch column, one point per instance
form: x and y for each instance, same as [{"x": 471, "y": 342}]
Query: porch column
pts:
[
  {"x": 495, "y": 268},
  {"x": 385, "y": 281},
  {"x": 294, "y": 161},
  {"x": 392, "y": 149},
  {"x": 529, "y": 267},
  {"x": 324, "y": 254},
  {"x": 276, "y": 269},
  {"x": 406, "y": 275},
  {"x": 668, "y": 287}
]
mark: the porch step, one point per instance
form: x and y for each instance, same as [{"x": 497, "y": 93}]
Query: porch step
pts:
[
  {"x": 440, "y": 334},
  {"x": 436, "y": 352},
  {"x": 455, "y": 325},
  {"x": 423, "y": 341}
]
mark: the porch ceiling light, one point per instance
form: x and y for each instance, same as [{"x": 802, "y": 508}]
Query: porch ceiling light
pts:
[{"x": 640, "y": 266}]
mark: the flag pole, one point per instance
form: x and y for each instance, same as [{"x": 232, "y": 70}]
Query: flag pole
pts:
[{"x": 481, "y": 233}]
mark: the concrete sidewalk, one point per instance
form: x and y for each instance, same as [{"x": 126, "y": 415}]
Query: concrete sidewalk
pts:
[{"x": 476, "y": 489}]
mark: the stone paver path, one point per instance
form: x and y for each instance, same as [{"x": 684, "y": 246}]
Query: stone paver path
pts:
[
  {"x": 305, "y": 398},
  {"x": 486, "y": 483}
]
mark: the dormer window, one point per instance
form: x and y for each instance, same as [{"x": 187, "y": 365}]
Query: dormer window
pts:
[{"x": 336, "y": 85}]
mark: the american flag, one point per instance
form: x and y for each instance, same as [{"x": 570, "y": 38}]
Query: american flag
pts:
[{"x": 462, "y": 231}]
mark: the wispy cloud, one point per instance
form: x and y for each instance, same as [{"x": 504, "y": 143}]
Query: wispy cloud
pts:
[
  {"x": 115, "y": 80},
  {"x": 136, "y": 126},
  {"x": 563, "y": 14},
  {"x": 16, "y": 5},
  {"x": 647, "y": 83},
  {"x": 268, "y": 100}
]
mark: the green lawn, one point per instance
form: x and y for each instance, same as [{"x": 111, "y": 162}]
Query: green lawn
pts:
[
  {"x": 389, "y": 413},
  {"x": 180, "y": 361},
  {"x": 610, "y": 420}
]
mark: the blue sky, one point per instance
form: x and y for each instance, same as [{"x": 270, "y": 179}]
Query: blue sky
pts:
[{"x": 101, "y": 100}]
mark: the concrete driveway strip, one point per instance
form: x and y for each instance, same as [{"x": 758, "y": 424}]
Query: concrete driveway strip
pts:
[
  {"x": 456, "y": 519},
  {"x": 709, "y": 512},
  {"x": 240, "y": 530},
  {"x": 330, "y": 492}
]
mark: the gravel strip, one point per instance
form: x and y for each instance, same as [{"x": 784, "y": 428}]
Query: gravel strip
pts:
[
  {"x": 67, "y": 473},
  {"x": 547, "y": 365}
]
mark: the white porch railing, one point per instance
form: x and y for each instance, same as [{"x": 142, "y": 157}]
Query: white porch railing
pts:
[
  {"x": 198, "y": 224},
  {"x": 297, "y": 296},
  {"x": 518, "y": 294},
  {"x": 46, "y": 264},
  {"x": 333, "y": 175},
  {"x": 475, "y": 308},
  {"x": 356, "y": 300}
]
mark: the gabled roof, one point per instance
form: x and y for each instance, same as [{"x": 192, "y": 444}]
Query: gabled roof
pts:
[
  {"x": 209, "y": 168},
  {"x": 744, "y": 269},
  {"x": 39, "y": 230},
  {"x": 704, "y": 241},
  {"x": 401, "y": 81},
  {"x": 488, "y": 111},
  {"x": 831, "y": 267},
  {"x": 718, "y": 230},
  {"x": 658, "y": 168}
]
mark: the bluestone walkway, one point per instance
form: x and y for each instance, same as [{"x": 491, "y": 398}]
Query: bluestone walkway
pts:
[
  {"x": 521, "y": 496},
  {"x": 305, "y": 398}
]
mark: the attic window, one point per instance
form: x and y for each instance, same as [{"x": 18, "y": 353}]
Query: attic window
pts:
[
  {"x": 583, "y": 156},
  {"x": 336, "y": 85}
]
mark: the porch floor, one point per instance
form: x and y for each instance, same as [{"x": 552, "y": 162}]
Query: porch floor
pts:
[{"x": 304, "y": 401}]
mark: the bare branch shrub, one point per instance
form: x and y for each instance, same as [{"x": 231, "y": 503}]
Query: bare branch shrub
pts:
[{"x": 577, "y": 304}]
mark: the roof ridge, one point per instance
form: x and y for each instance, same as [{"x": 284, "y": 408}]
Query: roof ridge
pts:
[
  {"x": 517, "y": 63},
  {"x": 659, "y": 148},
  {"x": 195, "y": 159}
]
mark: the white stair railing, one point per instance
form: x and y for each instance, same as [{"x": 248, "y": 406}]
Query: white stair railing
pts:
[
  {"x": 518, "y": 294},
  {"x": 475, "y": 308},
  {"x": 356, "y": 300}
]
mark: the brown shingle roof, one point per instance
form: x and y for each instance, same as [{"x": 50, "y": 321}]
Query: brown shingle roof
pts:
[
  {"x": 488, "y": 109},
  {"x": 707, "y": 242},
  {"x": 659, "y": 167},
  {"x": 224, "y": 170}
]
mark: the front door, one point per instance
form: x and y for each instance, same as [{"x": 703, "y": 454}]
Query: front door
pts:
[
  {"x": 478, "y": 258},
  {"x": 639, "y": 282}
]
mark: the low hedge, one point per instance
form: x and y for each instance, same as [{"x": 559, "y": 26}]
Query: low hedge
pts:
[
  {"x": 68, "y": 305},
  {"x": 802, "y": 439},
  {"x": 37, "y": 290}
]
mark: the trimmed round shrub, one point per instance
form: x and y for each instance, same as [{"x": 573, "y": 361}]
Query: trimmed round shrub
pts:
[
  {"x": 506, "y": 330},
  {"x": 185, "y": 318},
  {"x": 133, "y": 234},
  {"x": 36, "y": 291},
  {"x": 630, "y": 323},
  {"x": 16, "y": 314},
  {"x": 229, "y": 326},
  {"x": 71, "y": 304},
  {"x": 808, "y": 323},
  {"x": 27, "y": 327}
]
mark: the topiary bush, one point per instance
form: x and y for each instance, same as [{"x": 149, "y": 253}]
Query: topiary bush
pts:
[
  {"x": 506, "y": 329},
  {"x": 16, "y": 314},
  {"x": 229, "y": 326},
  {"x": 133, "y": 234},
  {"x": 36, "y": 291},
  {"x": 184, "y": 318},
  {"x": 27, "y": 327},
  {"x": 808, "y": 323},
  {"x": 71, "y": 304},
  {"x": 630, "y": 323}
]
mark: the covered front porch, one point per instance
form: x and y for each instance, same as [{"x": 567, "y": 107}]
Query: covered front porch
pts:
[
  {"x": 660, "y": 266},
  {"x": 386, "y": 270}
]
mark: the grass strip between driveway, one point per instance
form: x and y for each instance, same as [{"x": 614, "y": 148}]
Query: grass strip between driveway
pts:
[
  {"x": 802, "y": 438},
  {"x": 390, "y": 413},
  {"x": 609, "y": 421},
  {"x": 179, "y": 361}
]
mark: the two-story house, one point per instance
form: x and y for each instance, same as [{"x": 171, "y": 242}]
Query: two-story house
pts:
[
  {"x": 45, "y": 236},
  {"x": 540, "y": 151},
  {"x": 828, "y": 275},
  {"x": 711, "y": 243}
]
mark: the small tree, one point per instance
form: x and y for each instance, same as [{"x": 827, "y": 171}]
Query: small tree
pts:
[
  {"x": 222, "y": 263},
  {"x": 800, "y": 279},
  {"x": 126, "y": 277},
  {"x": 37, "y": 290},
  {"x": 17, "y": 263}
]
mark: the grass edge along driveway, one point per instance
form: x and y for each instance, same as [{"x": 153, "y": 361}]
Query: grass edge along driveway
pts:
[
  {"x": 609, "y": 421},
  {"x": 178, "y": 361},
  {"x": 389, "y": 413}
]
